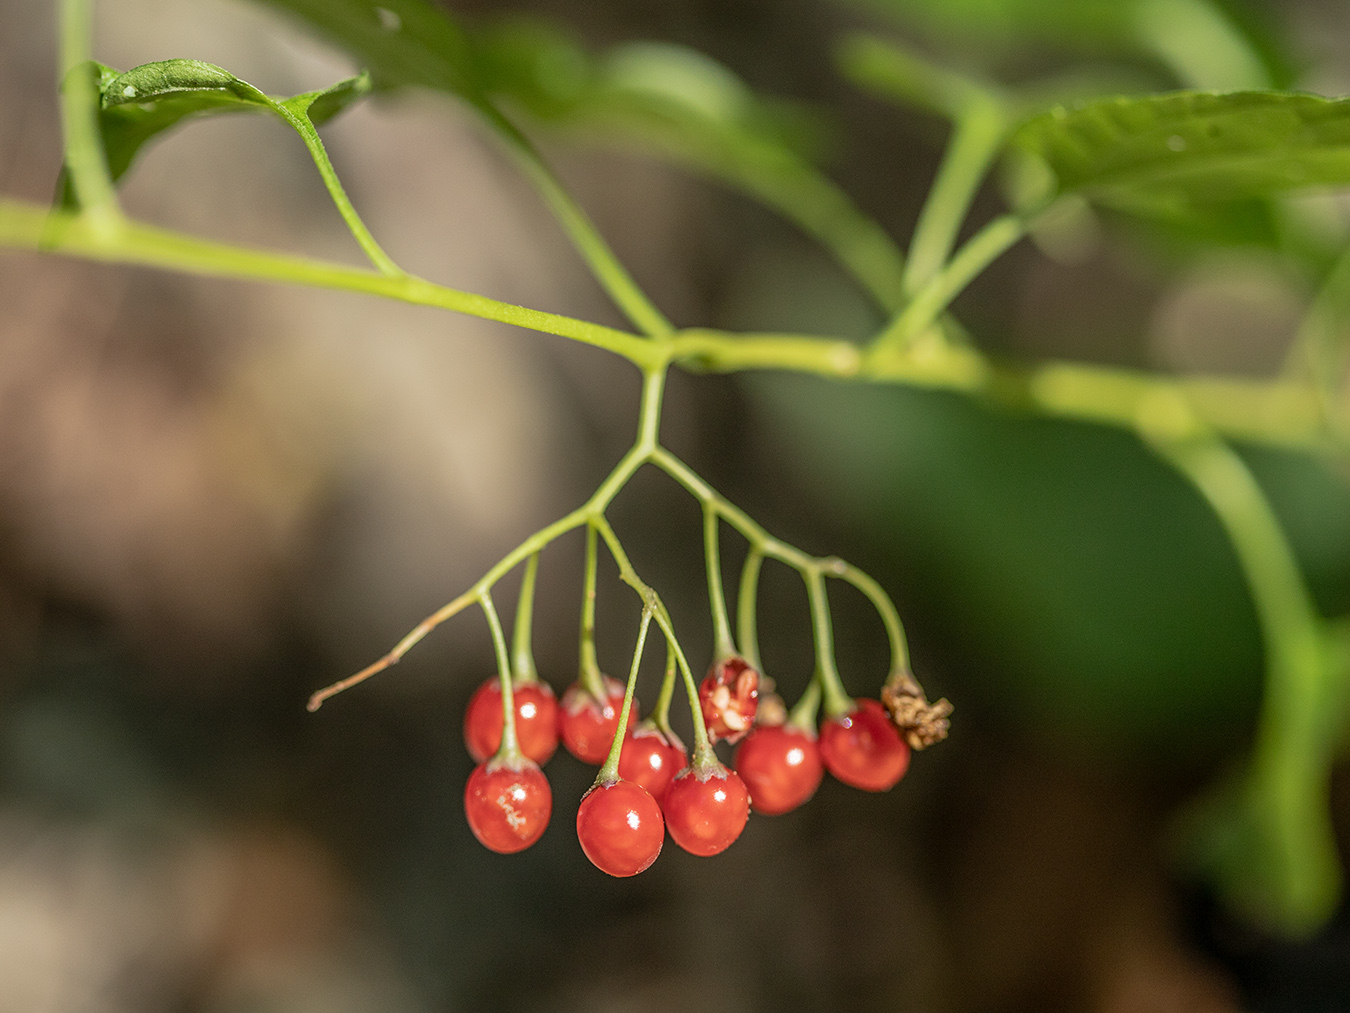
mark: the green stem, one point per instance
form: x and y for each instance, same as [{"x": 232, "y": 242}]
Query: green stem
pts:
[
  {"x": 84, "y": 156},
  {"x": 590, "y": 677},
  {"x": 604, "y": 265},
  {"x": 747, "y": 633},
  {"x": 900, "y": 75},
  {"x": 981, "y": 250},
  {"x": 881, "y": 601},
  {"x": 303, "y": 126},
  {"x": 609, "y": 771},
  {"x": 703, "y": 751},
  {"x": 522, "y": 655},
  {"x": 837, "y": 701},
  {"x": 1282, "y": 413},
  {"x": 976, "y": 137},
  {"x": 591, "y": 512},
  {"x": 723, "y": 646},
  {"x": 510, "y": 747},
  {"x": 661, "y": 712},
  {"x": 1293, "y": 875}
]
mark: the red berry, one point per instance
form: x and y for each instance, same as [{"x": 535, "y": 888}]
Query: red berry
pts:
[
  {"x": 588, "y": 725},
  {"x": 780, "y": 766},
  {"x": 536, "y": 720},
  {"x": 651, "y": 760},
  {"x": 864, "y": 748},
  {"x": 705, "y": 813},
  {"x": 508, "y": 805},
  {"x": 729, "y": 695},
  {"x": 620, "y": 828}
]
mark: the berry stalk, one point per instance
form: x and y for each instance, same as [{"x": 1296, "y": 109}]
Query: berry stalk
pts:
[
  {"x": 510, "y": 747},
  {"x": 609, "y": 772},
  {"x": 723, "y": 646},
  {"x": 522, "y": 653}
]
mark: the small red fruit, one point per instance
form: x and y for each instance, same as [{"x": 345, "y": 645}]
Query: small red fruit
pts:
[
  {"x": 780, "y": 766},
  {"x": 706, "y": 812},
  {"x": 507, "y": 804},
  {"x": 729, "y": 695},
  {"x": 620, "y": 828},
  {"x": 587, "y": 725},
  {"x": 651, "y": 760},
  {"x": 863, "y": 748},
  {"x": 536, "y": 720}
]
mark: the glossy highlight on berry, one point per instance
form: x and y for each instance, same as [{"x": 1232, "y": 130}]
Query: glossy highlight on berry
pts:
[
  {"x": 781, "y": 768},
  {"x": 536, "y": 720},
  {"x": 507, "y": 804},
  {"x": 863, "y": 748},
  {"x": 620, "y": 828},
  {"x": 706, "y": 812},
  {"x": 587, "y": 725}
]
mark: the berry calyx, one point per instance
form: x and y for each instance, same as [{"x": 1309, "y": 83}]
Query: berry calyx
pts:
[
  {"x": 863, "y": 748},
  {"x": 536, "y": 720},
  {"x": 587, "y": 725},
  {"x": 508, "y": 804},
  {"x": 706, "y": 807},
  {"x": 729, "y": 695},
  {"x": 652, "y": 759},
  {"x": 620, "y": 828},
  {"x": 781, "y": 767}
]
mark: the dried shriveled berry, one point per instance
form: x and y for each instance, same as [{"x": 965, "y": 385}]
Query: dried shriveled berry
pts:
[
  {"x": 706, "y": 811},
  {"x": 781, "y": 768},
  {"x": 729, "y": 695},
  {"x": 536, "y": 720},
  {"x": 587, "y": 725},
  {"x": 620, "y": 828},
  {"x": 650, "y": 759},
  {"x": 507, "y": 804},
  {"x": 863, "y": 748}
]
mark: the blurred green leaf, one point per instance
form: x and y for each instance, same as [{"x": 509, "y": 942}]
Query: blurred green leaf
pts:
[
  {"x": 403, "y": 42},
  {"x": 684, "y": 107},
  {"x": 1090, "y": 595},
  {"x": 1162, "y": 154},
  {"x": 1203, "y": 43}
]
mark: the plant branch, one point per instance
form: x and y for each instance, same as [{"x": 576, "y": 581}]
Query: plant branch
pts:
[
  {"x": 30, "y": 227},
  {"x": 1287, "y": 412}
]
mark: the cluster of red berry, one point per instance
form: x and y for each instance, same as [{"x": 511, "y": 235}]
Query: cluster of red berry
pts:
[{"x": 621, "y": 823}]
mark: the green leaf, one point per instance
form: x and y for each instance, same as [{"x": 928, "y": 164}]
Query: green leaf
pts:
[
  {"x": 403, "y": 42},
  {"x": 1160, "y": 154},
  {"x": 144, "y": 102},
  {"x": 147, "y": 100},
  {"x": 322, "y": 106}
]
